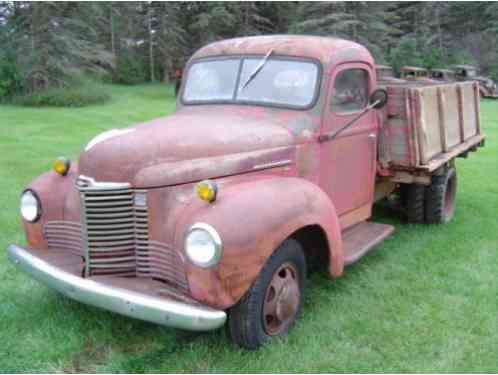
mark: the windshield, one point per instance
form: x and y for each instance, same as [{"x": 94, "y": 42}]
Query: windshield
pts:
[
  {"x": 280, "y": 82},
  {"x": 471, "y": 73}
]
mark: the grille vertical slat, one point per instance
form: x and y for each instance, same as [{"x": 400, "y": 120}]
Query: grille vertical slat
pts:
[{"x": 142, "y": 235}]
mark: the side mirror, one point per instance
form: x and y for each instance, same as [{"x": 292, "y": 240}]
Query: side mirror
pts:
[{"x": 378, "y": 99}]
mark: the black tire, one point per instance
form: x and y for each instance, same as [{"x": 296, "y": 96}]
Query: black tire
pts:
[
  {"x": 412, "y": 201},
  {"x": 440, "y": 198},
  {"x": 177, "y": 87},
  {"x": 246, "y": 325}
]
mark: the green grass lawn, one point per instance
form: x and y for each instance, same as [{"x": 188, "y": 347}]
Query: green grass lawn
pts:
[{"x": 425, "y": 301}]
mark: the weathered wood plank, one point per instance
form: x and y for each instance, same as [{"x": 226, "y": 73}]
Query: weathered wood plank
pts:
[{"x": 425, "y": 124}]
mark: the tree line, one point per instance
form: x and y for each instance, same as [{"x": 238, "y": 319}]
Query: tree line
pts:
[{"x": 47, "y": 44}]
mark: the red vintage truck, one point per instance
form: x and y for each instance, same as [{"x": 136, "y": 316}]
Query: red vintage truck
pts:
[{"x": 278, "y": 149}]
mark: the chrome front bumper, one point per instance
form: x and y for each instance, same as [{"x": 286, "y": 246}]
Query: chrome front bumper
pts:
[{"x": 119, "y": 300}]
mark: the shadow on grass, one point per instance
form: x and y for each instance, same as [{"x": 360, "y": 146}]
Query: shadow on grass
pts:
[
  {"x": 139, "y": 347},
  {"x": 121, "y": 344},
  {"x": 140, "y": 360}
]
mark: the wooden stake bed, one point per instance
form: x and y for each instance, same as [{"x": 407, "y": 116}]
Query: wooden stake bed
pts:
[{"x": 425, "y": 126}]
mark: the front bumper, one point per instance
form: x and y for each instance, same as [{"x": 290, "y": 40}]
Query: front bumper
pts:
[{"x": 160, "y": 310}]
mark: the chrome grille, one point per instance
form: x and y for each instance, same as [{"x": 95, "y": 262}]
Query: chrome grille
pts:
[
  {"x": 115, "y": 235},
  {"x": 64, "y": 235},
  {"x": 161, "y": 262},
  {"x": 109, "y": 221}
]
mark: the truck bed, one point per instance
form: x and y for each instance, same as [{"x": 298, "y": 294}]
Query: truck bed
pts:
[{"x": 426, "y": 125}]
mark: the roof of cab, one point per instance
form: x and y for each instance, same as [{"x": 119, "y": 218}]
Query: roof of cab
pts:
[
  {"x": 468, "y": 67},
  {"x": 414, "y": 68},
  {"x": 442, "y": 71},
  {"x": 326, "y": 50}
]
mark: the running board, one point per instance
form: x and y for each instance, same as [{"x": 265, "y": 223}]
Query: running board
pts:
[{"x": 360, "y": 239}]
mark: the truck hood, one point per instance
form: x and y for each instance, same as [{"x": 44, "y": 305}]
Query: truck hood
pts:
[{"x": 185, "y": 147}]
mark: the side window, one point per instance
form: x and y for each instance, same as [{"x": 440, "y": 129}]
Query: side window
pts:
[{"x": 350, "y": 92}]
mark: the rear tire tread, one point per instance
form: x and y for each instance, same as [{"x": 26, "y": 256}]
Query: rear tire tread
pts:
[
  {"x": 413, "y": 198},
  {"x": 435, "y": 198}
]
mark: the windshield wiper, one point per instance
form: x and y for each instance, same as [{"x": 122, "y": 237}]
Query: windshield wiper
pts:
[{"x": 257, "y": 70}]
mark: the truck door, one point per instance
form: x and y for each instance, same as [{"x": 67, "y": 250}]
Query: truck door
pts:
[{"x": 348, "y": 161}]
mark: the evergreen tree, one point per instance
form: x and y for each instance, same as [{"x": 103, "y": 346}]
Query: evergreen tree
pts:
[
  {"x": 50, "y": 42},
  {"x": 170, "y": 37}
]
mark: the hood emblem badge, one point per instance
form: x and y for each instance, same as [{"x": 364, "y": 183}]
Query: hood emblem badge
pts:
[{"x": 84, "y": 183}]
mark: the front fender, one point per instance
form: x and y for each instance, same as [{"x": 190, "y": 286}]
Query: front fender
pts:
[
  {"x": 52, "y": 189},
  {"x": 253, "y": 218}
]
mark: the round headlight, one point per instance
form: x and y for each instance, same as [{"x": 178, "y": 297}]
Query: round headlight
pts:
[
  {"x": 30, "y": 206},
  {"x": 203, "y": 245}
]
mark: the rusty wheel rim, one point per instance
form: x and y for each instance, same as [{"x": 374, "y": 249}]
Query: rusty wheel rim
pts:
[
  {"x": 449, "y": 199},
  {"x": 282, "y": 300}
]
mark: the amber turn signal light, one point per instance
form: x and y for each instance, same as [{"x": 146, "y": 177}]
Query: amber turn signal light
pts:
[
  {"x": 62, "y": 166},
  {"x": 207, "y": 190}
]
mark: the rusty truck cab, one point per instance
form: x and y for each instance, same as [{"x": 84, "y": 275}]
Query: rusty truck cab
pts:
[
  {"x": 383, "y": 72},
  {"x": 343, "y": 76},
  {"x": 254, "y": 155},
  {"x": 487, "y": 88},
  {"x": 414, "y": 73},
  {"x": 442, "y": 75},
  {"x": 209, "y": 215},
  {"x": 465, "y": 72}
]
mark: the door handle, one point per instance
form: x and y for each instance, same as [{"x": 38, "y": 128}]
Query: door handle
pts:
[{"x": 372, "y": 136}]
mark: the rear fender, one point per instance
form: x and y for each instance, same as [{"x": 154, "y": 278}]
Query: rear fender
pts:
[{"x": 253, "y": 218}]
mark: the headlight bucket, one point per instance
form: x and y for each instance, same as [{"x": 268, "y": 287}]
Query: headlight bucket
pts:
[
  {"x": 203, "y": 246},
  {"x": 30, "y": 206}
]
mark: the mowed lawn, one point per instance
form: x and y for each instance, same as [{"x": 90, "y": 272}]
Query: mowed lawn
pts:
[{"x": 425, "y": 301}]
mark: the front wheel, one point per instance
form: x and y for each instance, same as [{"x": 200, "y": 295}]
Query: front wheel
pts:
[{"x": 272, "y": 304}]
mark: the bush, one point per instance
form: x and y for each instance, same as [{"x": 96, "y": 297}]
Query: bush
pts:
[
  {"x": 11, "y": 81},
  {"x": 406, "y": 53},
  {"x": 79, "y": 95},
  {"x": 101, "y": 77},
  {"x": 130, "y": 69},
  {"x": 433, "y": 59},
  {"x": 461, "y": 57}
]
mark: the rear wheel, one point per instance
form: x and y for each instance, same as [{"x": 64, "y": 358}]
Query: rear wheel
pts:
[
  {"x": 440, "y": 198},
  {"x": 272, "y": 304},
  {"x": 412, "y": 201}
]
